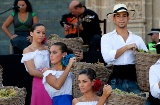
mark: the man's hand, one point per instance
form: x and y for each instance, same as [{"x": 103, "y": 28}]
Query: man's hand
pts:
[
  {"x": 79, "y": 55},
  {"x": 132, "y": 46},
  {"x": 66, "y": 27}
]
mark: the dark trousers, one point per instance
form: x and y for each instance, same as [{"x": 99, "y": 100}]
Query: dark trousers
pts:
[
  {"x": 153, "y": 101},
  {"x": 124, "y": 78}
]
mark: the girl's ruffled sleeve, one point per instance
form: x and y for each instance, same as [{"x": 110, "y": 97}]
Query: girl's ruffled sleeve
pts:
[
  {"x": 46, "y": 73},
  {"x": 28, "y": 56}
]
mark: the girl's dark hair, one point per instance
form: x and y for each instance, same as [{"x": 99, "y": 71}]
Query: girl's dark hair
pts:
[
  {"x": 29, "y": 6},
  {"x": 64, "y": 48},
  {"x": 89, "y": 72},
  {"x": 34, "y": 26}
]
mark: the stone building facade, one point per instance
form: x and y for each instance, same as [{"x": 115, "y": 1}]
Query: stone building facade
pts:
[{"x": 147, "y": 14}]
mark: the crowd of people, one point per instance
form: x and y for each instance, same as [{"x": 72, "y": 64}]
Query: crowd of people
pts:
[{"x": 52, "y": 85}]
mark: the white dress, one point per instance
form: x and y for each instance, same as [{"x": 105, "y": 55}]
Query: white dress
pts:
[
  {"x": 41, "y": 60},
  {"x": 40, "y": 57},
  {"x": 88, "y": 103},
  {"x": 65, "y": 92}
]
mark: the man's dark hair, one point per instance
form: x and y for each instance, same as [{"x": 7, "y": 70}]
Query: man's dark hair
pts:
[{"x": 126, "y": 12}]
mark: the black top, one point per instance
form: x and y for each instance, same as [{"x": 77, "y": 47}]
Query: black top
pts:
[{"x": 90, "y": 28}]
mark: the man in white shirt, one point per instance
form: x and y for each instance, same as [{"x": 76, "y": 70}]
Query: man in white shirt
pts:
[
  {"x": 117, "y": 48},
  {"x": 154, "y": 81}
]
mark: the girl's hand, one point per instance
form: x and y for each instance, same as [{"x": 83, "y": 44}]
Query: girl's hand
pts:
[
  {"x": 71, "y": 61},
  {"x": 107, "y": 89},
  {"x": 45, "y": 69}
]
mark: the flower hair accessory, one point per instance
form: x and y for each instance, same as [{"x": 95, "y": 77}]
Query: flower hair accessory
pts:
[
  {"x": 97, "y": 85},
  {"x": 44, "y": 41},
  {"x": 65, "y": 59}
]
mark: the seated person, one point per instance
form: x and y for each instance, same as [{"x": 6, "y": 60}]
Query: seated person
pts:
[
  {"x": 89, "y": 28},
  {"x": 88, "y": 86},
  {"x": 22, "y": 19}
]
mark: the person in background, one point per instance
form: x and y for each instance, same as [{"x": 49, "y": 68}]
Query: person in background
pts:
[
  {"x": 86, "y": 20},
  {"x": 58, "y": 79},
  {"x": 35, "y": 58},
  {"x": 117, "y": 48},
  {"x": 155, "y": 39},
  {"x": 22, "y": 18},
  {"x": 154, "y": 81},
  {"x": 87, "y": 84}
]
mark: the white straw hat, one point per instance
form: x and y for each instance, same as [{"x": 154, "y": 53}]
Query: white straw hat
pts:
[{"x": 120, "y": 8}]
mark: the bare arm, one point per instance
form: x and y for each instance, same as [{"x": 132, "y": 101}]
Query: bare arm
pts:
[
  {"x": 106, "y": 92},
  {"x": 57, "y": 83},
  {"x": 74, "y": 101},
  {"x": 35, "y": 19},
  {"x": 123, "y": 49},
  {"x": 5, "y": 26},
  {"x": 31, "y": 67},
  {"x": 120, "y": 51}
]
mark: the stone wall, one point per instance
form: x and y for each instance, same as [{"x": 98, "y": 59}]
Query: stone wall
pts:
[
  {"x": 49, "y": 13},
  {"x": 145, "y": 18}
]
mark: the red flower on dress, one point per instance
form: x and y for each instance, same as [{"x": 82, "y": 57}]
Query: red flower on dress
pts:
[
  {"x": 44, "y": 41},
  {"x": 97, "y": 85}
]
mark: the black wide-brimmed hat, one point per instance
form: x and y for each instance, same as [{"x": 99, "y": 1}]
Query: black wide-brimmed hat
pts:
[
  {"x": 154, "y": 30},
  {"x": 120, "y": 8}
]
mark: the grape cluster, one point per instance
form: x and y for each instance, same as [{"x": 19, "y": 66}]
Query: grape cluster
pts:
[
  {"x": 6, "y": 93},
  {"x": 117, "y": 91},
  {"x": 150, "y": 52},
  {"x": 141, "y": 50}
]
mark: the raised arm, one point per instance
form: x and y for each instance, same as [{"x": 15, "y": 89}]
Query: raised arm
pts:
[
  {"x": 57, "y": 83},
  {"x": 106, "y": 92}
]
